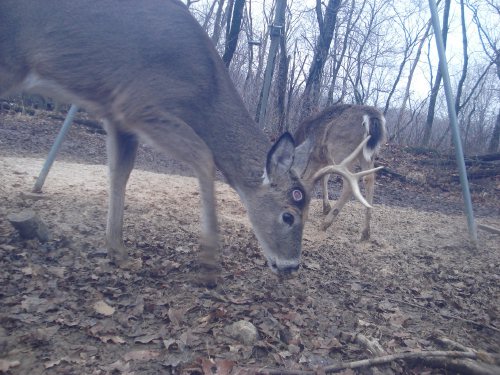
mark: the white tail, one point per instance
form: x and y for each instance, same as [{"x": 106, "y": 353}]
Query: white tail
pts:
[
  {"x": 149, "y": 70},
  {"x": 336, "y": 138}
]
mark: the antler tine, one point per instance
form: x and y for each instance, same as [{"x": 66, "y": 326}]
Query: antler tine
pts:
[
  {"x": 356, "y": 152},
  {"x": 352, "y": 178}
]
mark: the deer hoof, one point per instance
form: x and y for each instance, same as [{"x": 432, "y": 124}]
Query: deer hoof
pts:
[
  {"x": 207, "y": 275},
  {"x": 365, "y": 236},
  {"x": 325, "y": 226},
  {"x": 326, "y": 210},
  {"x": 118, "y": 255}
]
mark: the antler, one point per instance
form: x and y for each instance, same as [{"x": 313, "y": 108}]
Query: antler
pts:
[{"x": 352, "y": 178}]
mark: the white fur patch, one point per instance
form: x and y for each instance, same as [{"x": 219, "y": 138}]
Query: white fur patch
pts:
[
  {"x": 367, "y": 152},
  {"x": 265, "y": 178}
]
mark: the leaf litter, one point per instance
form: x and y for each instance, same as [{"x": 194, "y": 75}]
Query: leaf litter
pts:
[{"x": 66, "y": 309}]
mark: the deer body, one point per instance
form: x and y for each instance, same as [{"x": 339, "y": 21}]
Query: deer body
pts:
[
  {"x": 334, "y": 134},
  {"x": 149, "y": 70}
]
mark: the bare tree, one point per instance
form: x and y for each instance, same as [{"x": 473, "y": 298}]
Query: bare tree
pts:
[
  {"x": 437, "y": 83},
  {"x": 411, "y": 40},
  {"x": 284, "y": 63},
  {"x": 459, "y": 103},
  {"x": 277, "y": 34},
  {"x": 338, "y": 57},
  {"x": 219, "y": 16},
  {"x": 326, "y": 25},
  {"x": 233, "y": 29},
  {"x": 491, "y": 46}
]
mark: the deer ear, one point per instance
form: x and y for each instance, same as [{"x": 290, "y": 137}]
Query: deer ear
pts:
[
  {"x": 280, "y": 157},
  {"x": 302, "y": 154}
]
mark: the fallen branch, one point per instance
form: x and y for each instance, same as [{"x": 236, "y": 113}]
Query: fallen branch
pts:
[
  {"x": 444, "y": 315},
  {"x": 475, "y": 174},
  {"x": 389, "y": 172},
  {"x": 401, "y": 356},
  {"x": 439, "y": 359},
  {"x": 488, "y": 228},
  {"x": 374, "y": 347},
  {"x": 452, "y": 344},
  {"x": 461, "y": 366}
]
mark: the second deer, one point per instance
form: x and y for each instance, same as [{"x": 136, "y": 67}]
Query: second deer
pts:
[{"x": 331, "y": 136}]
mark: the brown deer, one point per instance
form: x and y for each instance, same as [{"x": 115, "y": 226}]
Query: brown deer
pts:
[
  {"x": 333, "y": 134},
  {"x": 150, "y": 72}
]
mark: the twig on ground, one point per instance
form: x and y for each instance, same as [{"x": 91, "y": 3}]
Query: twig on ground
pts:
[
  {"x": 437, "y": 358},
  {"x": 372, "y": 345},
  {"x": 489, "y": 228},
  {"x": 444, "y": 315},
  {"x": 452, "y": 344},
  {"x": 461, "y": 366},
  {"x": 443, "y": 355}
]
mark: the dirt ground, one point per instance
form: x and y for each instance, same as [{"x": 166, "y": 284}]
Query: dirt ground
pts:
[{"x": 418, "y": 285}]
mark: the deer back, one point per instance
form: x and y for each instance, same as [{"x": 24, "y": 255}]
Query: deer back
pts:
[
  {"x": 334, "y": 133},
  {"x": 143, "y": 66}
]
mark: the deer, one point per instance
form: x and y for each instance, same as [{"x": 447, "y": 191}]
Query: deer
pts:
[
  {"x": 151, "y": 73},
  {"x": 333, "y": 134}
]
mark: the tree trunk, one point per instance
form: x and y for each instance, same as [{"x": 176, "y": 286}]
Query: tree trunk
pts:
[
  {"x": 233, "y": 31},
  {"x": 338, "y": 60},
  {"x": 208, "y": 16},
  {"x": 406, "y": 96},
  {"x": 281, "y": 85},
  {"x": 218, "y": 23},
  {"x": 437, "y": 83},
  {"x": 326, "y": 29},
  {"x": 277, "y": 30},
  {"x": 495, "y": 137}
]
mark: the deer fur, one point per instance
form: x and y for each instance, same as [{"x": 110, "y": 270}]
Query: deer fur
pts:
[
  {"x": 332, "y": 135},
  {"x": 149, "y": 70}
]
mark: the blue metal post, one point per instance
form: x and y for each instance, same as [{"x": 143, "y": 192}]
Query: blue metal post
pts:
[
  {"x": 55, "y": 149},
  {"x": 453, "y": 123}
]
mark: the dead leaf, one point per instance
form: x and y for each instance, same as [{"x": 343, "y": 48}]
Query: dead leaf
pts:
[
  {"x": 28, "y": 271},
  {"x": 145, "y": 339},
  {"x": 141, "y": 355},
  {"x": 224, "y": 366},
  {"x": 113, "y": 339},
  {"x": 57, "y": 362},
  {"x": 6, "y": 365},
  {"x": 173, "y": 345},
  {"x": 119, "y": 366},
  {"x": 208, "y": 366},
  {"x": 56, "y": 271},
  {"x": 176, "y": 316},
  {"x": 103, "y": 308}
]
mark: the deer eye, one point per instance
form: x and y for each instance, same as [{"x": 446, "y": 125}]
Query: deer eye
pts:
[
  {"x": 288, "y": 218},
  {"x": 297, "y": 195}
]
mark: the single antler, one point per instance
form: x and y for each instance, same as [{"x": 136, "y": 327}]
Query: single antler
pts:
[{"x": 351, "y": 177}]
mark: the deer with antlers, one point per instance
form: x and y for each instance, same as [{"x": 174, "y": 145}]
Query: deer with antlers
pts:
[
  {"x": 331, "y": 136},
  {"x": 150, "y": 71}
]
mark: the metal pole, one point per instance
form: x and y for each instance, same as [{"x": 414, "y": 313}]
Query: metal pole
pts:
[
  {"x": 453, "y": 123},
  {"x": 55, "y": 149}
]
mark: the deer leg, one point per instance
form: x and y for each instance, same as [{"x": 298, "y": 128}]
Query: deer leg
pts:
[
  {"x": 175, "y": 137},
  {"x": 337, "y": 207},
  {"x": 326, "y": 202},
  {"x": 369, "y": 182},
  {"x": 209, "y": 241},
  {"x": 122, "y": 148}
]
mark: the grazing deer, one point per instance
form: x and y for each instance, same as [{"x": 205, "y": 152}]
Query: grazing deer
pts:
[
  {"x": 150, "y": 72},
  {"x": 333, "y": 134}
]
